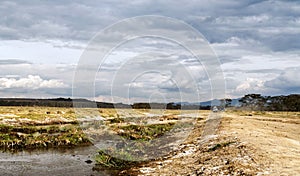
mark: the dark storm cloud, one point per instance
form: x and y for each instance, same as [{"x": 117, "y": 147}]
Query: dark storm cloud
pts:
[
  {"x": 218, "y": 20},
  {"x": 288, "y": 81}
]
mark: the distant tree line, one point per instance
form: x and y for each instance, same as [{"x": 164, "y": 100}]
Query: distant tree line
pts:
[
  {"x": 83, "y": 103},
  {"x": 59, "y": 102},
  {"x": 271, "y": 103},
  {"x": 56, "y": 102},
  {"x": 249, "y": 101}
]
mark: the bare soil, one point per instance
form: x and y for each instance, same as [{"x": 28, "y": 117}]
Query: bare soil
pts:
[
  {"x": 276, "y": 139},
  {"x": 244, "y": 144}
]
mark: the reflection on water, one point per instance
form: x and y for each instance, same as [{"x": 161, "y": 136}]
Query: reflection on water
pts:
[{"x": 75, "y": 161}]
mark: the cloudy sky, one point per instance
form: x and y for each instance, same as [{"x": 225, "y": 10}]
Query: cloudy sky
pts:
[{"x": 257, "y": 43}]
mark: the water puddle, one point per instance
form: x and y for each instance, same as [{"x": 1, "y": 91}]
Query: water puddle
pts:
[{"x": 77, "y": 161}]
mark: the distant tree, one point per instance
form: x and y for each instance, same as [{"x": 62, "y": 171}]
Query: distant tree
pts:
[
  {"x": 173, "y": 106},
  {"x": 276, "y": 103},
  {"x": 141, "y": 106},
  {"x": 228, "y": 102},
  {"x": 253, "y": 101},
  {"x": 292, "y": 102}
]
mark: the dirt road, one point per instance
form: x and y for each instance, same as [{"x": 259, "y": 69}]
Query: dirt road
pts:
[
  {"x": 244, "y": 144},
  {"x": 276, "y": 138}
]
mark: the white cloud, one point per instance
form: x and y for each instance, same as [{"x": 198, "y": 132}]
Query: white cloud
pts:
[
  {"x": 250, "y": 85},
  {"x": 30, "y": 82}
]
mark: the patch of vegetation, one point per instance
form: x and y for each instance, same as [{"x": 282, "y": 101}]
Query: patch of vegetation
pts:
[
  {"x": 131, "y": 153},
  {"x": 260, "y": 113},
  {"x": 32, "y": 116},
  {"x": 30, "y": 137},
  {"x": 117, "y": 120},
  {"x": 218, "y": 146},
  {"x": 144, "y": 132},
  {"x": 104, "y": 159}
]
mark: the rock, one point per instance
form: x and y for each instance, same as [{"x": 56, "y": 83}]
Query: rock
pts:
[{"x": 88, "y": 161}]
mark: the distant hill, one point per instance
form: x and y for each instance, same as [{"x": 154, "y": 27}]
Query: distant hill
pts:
[{"x": 235, "y": 102}]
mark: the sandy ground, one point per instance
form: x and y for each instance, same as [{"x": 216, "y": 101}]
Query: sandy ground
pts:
[
  {"x": 243, "y": 145},
  {"x": 277, "y": 140}
]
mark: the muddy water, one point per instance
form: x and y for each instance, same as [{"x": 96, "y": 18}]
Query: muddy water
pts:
[{"x": 51, "y": 162}]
